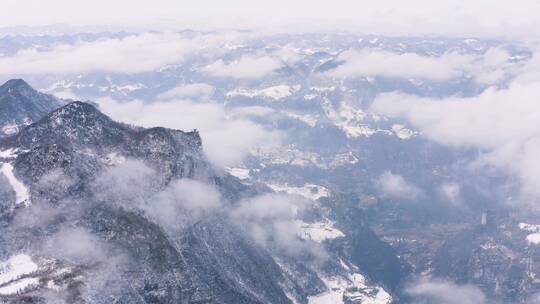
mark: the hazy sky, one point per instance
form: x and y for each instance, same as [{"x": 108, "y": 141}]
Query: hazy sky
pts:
[{"x": 412, "y": 17}]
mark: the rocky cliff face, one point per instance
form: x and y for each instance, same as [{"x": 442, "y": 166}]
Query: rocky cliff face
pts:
[{"x": 56, "y": 160}]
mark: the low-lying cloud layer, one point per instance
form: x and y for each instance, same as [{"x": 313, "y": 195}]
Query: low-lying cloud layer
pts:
[
  {"x": 486, "y": 69},
  {"x": 501, "y": 123},
  {"x": 183, "y": 202},
  {"x": 437, "y": 291},
  {"x": 152, "y": 51},
  {"x": 131, "y": 54},
  {"x": 451, "y": 192},
  {"x": 395, "y": 186},
  {"x": 226, "y": 138},
  {"x": 76, "y": 246},
  {"x": 246, "y": 67},
  {"x": 133, "y": 185},
  {"x": 194, "y": 90},
  {"x": 271, "y": 220}
]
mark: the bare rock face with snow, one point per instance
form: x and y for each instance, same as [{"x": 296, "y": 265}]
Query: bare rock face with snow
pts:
[{"x": 54, "y": 161}]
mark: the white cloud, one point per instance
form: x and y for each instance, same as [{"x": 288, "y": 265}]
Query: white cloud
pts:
[
  {"x": 371, "y": 62},
  {"x": 66, "y": 94},
  {"x": 246, "y": 67},
  {"x": 121, "y": 186},
  {"x": 443, "y": 292},
  {"x": 270, "y": 221},
  {"x": 253, "y": 111},
  {"x": 287, "y": 54},
  {"x": 502, "y": 123},
  {"x": 258, "y": 208},
  {"x": 451, "y": 192},
  {"x": 395, "y": 186},
  {"x": 194, "y": 90},
  {"x": 132, "y": 54},
  {"x": 226, "y": 138},
  {"x": 488, "y": 68},
  {"x": 174, "y": 205},
  {"x": 182, "y": 203},
  {"x": 489, "y": 120},
  {"x": 75, "y": 245}
]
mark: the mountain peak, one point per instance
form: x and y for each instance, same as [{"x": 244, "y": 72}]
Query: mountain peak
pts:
[
  {"x": 15, "y": 84},
  {"x": 76, "y": 108},
  {"x": 77, "y": 123},
  {"x": 20, "y": 105}
]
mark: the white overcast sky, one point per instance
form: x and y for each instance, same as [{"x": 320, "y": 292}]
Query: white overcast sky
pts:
[{"x": 493, "y": 18}]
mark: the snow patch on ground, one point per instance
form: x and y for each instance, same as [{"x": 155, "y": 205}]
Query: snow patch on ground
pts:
[
  {"x": 323, "y": 89},
  {"x": 349, "y": 119},
  {"x": 13, "y": 128},
  {"x": 310, "y": 96},
  {"x": 403, "y": 133},
  {"x": 353, "y": 131},
  {"x": 123, "y": 89},
  {"x": 350, "y": 289},
  {"x": 309, "y": 191},
  {"x": 16, "y": 267},
  {"x": 20, "y": 275},
  {"x": 287, "y": 155},
  {"x": 354, "y": 122},
  {"x": 307, "y": 119},
  {"x": 275, "y": 92},
  {"x": 240, "y": 173},
  {"x": 319, "y": 231},
  {"x": 18, "y": 286},
  {"x": 9, "y": 153},
  {"x": 21, "y": 192},
  {"x": 344, "y": 159},
  {"x": 10, "y": 129},
  {"x": 291, "y": 155},
  {"x": 534, "y": 237},
  {"x": 52, "y": 285},
  {"x": 360, "y": 293}
]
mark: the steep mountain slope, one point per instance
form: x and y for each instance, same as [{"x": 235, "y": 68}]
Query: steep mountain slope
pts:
[
  {"x": 21, "y": 105},
  {"x": 58, "y": 158}
]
